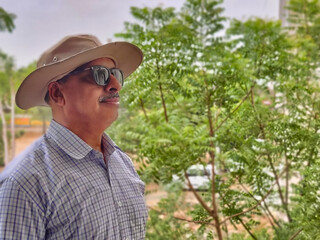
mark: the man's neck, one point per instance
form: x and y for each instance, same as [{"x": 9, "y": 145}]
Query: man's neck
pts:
[
  {"x": 92, "y": 139},
  {"x": 91, "y": 136}
]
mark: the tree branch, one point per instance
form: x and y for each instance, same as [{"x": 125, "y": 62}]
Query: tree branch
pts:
[
  {"x": 163, "y": 103},
  {"x": 200, "y": 200},
  {"x": 255, "y": 206},
  {"x": 267, "y": 211},
  {"x": 296, "y": 234},
  {"x": 243, "y": 224},
  {"x": 215, "y": 212},
  {"x": 143, "y": 108},
  {"x": 261, "y": 126},
  {"x": 161, "y": 94},
  {"x": 183, "y": 219}
]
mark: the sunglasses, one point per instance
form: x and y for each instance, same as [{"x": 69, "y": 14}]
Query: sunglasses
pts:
[{"x": 101, "y": 74}]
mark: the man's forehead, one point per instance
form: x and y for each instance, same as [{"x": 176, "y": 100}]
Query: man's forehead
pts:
[{"x": 108, "y": 62}]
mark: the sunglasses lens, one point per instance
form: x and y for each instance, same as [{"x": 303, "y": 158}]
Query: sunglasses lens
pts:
[
  {"x": 101, "y": 75},
  {"x": 117, "y": 73}
]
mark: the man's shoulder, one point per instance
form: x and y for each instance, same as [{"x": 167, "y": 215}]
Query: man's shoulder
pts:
[
  {"x": 24, "y": 172},
  {"x": 28, "y": 162},
  {"x": 126, "y": 160}
]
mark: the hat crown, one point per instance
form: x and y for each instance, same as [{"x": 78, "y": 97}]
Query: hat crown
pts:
[{"x": 68, "y": 47}]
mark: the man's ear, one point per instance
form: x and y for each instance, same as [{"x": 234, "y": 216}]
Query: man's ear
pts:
[{"x": 55, "y": 93}]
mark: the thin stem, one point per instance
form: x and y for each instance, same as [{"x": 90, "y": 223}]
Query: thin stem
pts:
[
  {"x": 200, "y": 200},
  {"x": 266, "y": 210},
  {"x": 247, "y": 229},
  {"x": 4, "y": 135},
  {"x": 163, "y": 103},
  {"x": 244, "y": 225},
  {"x": 261, "y": 126},
  {"x": 12, "y": 125},
  {"x": 161, "y": 94},
  {"x": 313, "y": 150},
  {"x": 287, "y": 181},
  {"x": 213, "y": 177},
  {"x": 296, "y": 234},
  {"x": 256, "y": 205},
  {"x": 143, "y": 108},
  {"x": 183, "y": 219},
  {"x": 249, "y": 209}
]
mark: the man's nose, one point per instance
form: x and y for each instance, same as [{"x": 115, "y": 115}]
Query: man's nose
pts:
[{"x": 113, "y": 85}]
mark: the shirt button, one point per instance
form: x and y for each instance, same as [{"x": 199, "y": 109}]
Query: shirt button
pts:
[{"x": 120, "y": 204}]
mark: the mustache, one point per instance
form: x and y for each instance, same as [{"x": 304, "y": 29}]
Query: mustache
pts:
[{"x": 106, "y": 97}]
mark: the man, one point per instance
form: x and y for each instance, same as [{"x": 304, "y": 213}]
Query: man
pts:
[{"x": 75, "y": 183}]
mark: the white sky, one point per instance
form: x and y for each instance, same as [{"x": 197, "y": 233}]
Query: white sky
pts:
[{"x": 41, "y": 23}]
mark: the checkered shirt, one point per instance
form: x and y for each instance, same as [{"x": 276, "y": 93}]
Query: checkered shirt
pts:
[{"x": 61, "y": 188}]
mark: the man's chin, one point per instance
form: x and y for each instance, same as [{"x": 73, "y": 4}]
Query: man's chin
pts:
[{"x": 110, "y": 119}]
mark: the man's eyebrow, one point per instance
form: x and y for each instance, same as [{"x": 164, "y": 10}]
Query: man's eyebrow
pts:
[{"x": 80, "y": 68}]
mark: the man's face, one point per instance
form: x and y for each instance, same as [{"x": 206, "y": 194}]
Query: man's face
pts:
[{"x": 82, "y": 99}]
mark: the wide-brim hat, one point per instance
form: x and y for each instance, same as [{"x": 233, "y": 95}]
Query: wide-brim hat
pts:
[{"x": 68, "y": 54}]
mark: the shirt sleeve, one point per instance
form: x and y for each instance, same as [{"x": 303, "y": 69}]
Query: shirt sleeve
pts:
[{"x": 20, "y": 218}]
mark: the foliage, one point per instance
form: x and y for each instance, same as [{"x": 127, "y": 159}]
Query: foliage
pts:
[
  {"x": 247, "y": 103},
  {"x": 6, "y": 67},
  {"x": 163, "y": 224},
  {"x": 10, "y": 79},
  {"x": 6, "y": 20}
]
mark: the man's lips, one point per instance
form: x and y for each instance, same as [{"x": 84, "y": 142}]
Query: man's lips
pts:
[
  {"x": 112, "y": 100},
  {"x": 109, "y": 99}
]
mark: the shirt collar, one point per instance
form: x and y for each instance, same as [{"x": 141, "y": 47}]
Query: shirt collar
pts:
[
  {"x": 108, "y": 144},
  {"x": 71, "y": 144}
]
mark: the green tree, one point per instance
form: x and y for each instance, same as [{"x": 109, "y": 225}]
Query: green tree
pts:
[
  {"x": 7, "y": 101},
  {"x": 305, "y": 18},
  {"x": 246, "y": 104},
  {"x": 6, "y": 66},
  {"x": 10, "y": 79},
  {"x": 198, "y": 73},
  {"x": 277, "y": 135}
]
